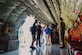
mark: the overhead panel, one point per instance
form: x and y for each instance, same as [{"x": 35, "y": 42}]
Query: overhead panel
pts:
[
  {"x": 21, "y": 18},
  {"x": 38, "y": 10},
  {"x": 52, "y": 8},
  {"x": 56, "y": 4},
  {"x": 7, "y": 7},
  {"x": 34, "y": 10},
  {"x": 78, "y": 5},
  {"x": 43, "y": 8},
  {"x": 16, "y": 12}
]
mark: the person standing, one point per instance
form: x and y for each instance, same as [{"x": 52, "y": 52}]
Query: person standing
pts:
[
  {"x": 33, "y": 33},
  {"x": 48, "y": 33},
  {"x": 38, "y": 34},
  {"x": 62, "y": 31}
]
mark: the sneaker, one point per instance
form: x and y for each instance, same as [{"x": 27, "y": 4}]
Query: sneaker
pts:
[{"x": 33, "y": 48}]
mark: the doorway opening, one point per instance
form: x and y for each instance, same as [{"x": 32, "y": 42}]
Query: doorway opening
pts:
[{"x": 24, "y": 31}]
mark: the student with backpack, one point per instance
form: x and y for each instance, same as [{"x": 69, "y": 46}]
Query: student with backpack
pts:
[{"x": 33, "y": 33}]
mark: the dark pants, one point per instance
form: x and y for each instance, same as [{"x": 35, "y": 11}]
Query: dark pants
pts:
[
  {"x": 33, "y": 38},
  {"x": 38, "y": 39}
]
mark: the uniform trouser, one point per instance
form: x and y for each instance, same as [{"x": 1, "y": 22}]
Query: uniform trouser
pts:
[{"x": 62, "y": 38}]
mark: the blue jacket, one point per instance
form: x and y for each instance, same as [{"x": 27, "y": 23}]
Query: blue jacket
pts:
[{"x": 48, "y": 31}]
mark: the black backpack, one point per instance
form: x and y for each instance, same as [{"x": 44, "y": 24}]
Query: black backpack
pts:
[{"x": 31, "y": 28}]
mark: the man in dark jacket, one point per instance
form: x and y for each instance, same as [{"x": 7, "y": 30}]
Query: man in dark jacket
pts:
[
  {"x": 38, "y": 33},
  {"x": 33, "y": 32}
]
